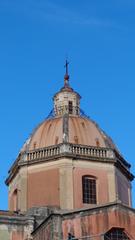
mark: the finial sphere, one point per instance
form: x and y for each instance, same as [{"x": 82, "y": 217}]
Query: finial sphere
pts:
[{"x": 66, "y": 77}]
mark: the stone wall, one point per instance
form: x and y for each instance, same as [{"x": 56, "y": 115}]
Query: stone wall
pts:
[
  {"x": 87, "y": 222},
  {"x": 15, "y": 227}
]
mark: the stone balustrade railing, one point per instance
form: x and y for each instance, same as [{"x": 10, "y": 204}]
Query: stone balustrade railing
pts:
[
  {"x": 71, "y": 149},
  {"x": 43, "y": 153},
  {"x": 75, "y": 151},
  {"x": 89, "y": 151}
]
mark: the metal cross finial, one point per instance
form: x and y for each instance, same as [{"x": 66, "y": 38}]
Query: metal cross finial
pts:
[
  {"x": 66, "y": 77},
  {"x": 66, "y": 66}
]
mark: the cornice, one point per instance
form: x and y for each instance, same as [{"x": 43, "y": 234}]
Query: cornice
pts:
[{"x": 71, "y": 151}]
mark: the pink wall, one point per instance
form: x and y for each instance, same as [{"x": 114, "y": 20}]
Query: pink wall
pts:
[
  {"x": 99, "y": 223},
  {"x": 44, "y": 233},
  {"x": 43, "y": 188},
  {"x": 16, "y": 235},
  {"x": 102, "y": 185}
]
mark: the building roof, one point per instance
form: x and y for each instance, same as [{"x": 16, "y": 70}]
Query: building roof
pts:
[
  {"x": 103, "y": 209},
  {"x": 81, "y": 130}
]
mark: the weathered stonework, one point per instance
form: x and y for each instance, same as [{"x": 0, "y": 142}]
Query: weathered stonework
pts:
[
  {"x": 85, "y": 222},
  {"x": 15, "y": 226}
]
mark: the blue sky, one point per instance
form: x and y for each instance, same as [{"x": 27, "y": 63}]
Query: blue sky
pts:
[{"x": 35, "y": 37}]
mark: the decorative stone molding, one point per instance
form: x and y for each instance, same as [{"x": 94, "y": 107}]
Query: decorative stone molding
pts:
[
  {"x": 74, "y": 151},
  {"x": 65, "y": 148}
]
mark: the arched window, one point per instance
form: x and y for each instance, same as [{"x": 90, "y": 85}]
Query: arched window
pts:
[
  {"x": 97, "y": 142},
  {"x": 56, "y": 140},
  {"x": 70, "y": 107},
  {"x": 116, "y": 234},
  {"x": 34, "y": 145},
  {"x": 89, "y": 190},
  {"x": 76, "y": 139},
  {"x": 15, "y": 200}
]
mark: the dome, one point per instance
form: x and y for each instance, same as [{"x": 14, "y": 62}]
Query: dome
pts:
[
  {"x": 82, "y": 131},
  {"x": 67, "y": 124}
]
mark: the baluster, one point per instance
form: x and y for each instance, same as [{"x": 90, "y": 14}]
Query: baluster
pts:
[
  {"x": 102, "y": 153},
  {"x": 73, "y": 149},
  {"x": 46, "y": 153},
  {"x": 50, "y": 152},
  {"x": 54, "y": 151},
  {"x": 82, "y": 150}
]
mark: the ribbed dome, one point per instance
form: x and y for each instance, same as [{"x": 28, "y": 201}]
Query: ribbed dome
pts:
[
  {"x": 68, "y": 124},
  {"x": 81, "y": 131}
]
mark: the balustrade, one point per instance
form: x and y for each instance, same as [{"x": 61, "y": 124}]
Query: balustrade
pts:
[
  {"x": 75, "y": 149},
  {"x": 43, "y": 153},
  {"x": 89, "y": 151}
]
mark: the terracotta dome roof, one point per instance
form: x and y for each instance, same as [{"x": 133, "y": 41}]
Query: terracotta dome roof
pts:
[{"x": 81, "y": 131}]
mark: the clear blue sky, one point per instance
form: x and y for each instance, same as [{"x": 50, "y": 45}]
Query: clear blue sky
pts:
[{"x": 35, "y": 37}]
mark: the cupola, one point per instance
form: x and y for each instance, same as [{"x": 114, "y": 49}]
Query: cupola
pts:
[{"x": 66, "y": 100}]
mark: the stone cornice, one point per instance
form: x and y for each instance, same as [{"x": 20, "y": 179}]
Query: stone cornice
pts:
[
  {"x": 73, "y": 151},
  {"x": 16, "y": 219}
]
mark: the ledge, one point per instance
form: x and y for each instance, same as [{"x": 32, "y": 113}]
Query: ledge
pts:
[{"x": 69, "y": 150}]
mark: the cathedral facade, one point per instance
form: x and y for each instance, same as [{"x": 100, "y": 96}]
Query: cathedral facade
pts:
[{"x": 69, "y": 180}]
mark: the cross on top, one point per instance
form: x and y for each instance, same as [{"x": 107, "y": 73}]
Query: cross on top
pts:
[{"x": 66, "y": 66}]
